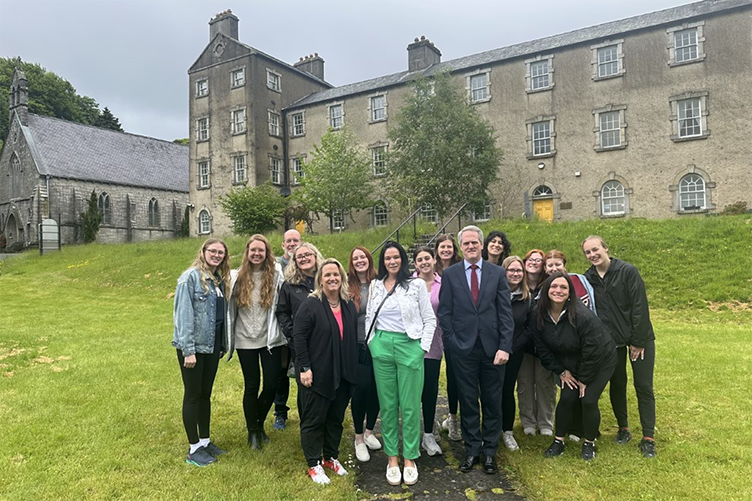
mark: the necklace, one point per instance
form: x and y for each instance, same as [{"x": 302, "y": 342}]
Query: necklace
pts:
[{"x": 333, "y": 305}]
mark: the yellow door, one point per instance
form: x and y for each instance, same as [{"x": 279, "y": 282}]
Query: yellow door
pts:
[
  {"x": 300, "y": 226},
  {"x": 544, "y": 209}
]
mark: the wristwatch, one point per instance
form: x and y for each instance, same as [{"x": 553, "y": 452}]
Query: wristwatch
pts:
[{"x": 305, "y": 368}]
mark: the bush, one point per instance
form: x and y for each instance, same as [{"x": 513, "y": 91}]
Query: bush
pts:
[
  {"x": 735, "y": 209},
  {"x": 254, "y": 210},
  {"x": 184, "y": 230},
  {"x": 15, "y": 247},
  {"x": 91, "y": 219},
  {"x": 3, "y": 241}
]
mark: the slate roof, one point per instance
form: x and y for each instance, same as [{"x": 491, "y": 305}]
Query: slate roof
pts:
[
  {"x": 538, "y": 46},
  {"x": 70, "y": 150}
]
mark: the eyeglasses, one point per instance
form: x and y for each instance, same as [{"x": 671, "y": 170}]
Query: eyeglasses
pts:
[
  {"x": 534, "y": 260},
  {"x": 303, "y": 256},
  {"x": 515, "y": 272},
  {"x": 215, "y": 252}
]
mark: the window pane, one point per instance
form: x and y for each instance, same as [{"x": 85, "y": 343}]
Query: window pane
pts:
[
  {"x": 608, "y": 63},
  {"x": 610, "y": 129},
  {"x": 613, "y": 198},
  {"x": 541, "y": 138},
  {"x": 689, "y": 118},
  {"x": 692, "y": 192},
  {"x": 539, "y": 74}
]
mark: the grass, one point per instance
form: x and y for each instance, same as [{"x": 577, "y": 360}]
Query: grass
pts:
[{"x": 90, "y": 391}]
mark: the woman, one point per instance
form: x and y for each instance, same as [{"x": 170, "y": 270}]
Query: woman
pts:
[
  {"x": 447, "y": 254},
  {"x": 522, "y": 305},
  {"x": 554, "y": 261},
  {"x": 365, "y": 400},
  {"x": 425, "y": 264},
  {"x": 299, "y": 278},
  {"x": 496, "y": 247},
  {"x": 623, "y": 307},
  {"x": 573, "y": 343},
  {"x": 536, "y": 389},
  {"x": 200, "y": 337},
  {"x": 400, "y": 309},
  {"x": 255, "y": 333},
  {"x": 326, "y": 339}
]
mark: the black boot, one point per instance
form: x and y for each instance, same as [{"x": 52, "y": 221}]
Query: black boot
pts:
[
  {"x": 263, "y": 436},
  {"x": 254, "y": 440}
]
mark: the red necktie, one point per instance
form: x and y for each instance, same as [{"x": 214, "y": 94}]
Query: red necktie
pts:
[{"x": 474, "y": 283}]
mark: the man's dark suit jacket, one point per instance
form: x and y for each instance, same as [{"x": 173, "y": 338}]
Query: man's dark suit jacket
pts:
[{"x": 462, "y": 322}]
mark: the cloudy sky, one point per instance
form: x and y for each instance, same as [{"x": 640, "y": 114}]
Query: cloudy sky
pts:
[{"x": 133, "y": 55}]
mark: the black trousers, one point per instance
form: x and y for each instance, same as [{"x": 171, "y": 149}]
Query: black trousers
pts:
[
  {"x": 431, "y": 370},
  {"x": 474, "y": 372},
  {"x": 642, "y": 373},
  {"x": 365, "y": 400},
  {"x": 197, "y": 384},
  {"x": 256, "y": 406},
  {"x": 452, "y": 395},
  {"x": 321, "y": 422},
  {"x": 570, "y": 399},
  {"x": 508, "y": 403},
  {"x": 283, "y": 384}
]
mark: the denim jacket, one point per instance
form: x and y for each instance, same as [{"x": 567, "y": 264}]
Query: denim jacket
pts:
[{"x": 194, "y": 315}]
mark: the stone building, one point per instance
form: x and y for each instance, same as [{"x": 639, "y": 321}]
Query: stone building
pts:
[
  {"x": 49, "y": 167},
  {"x": 640, "y": 117}
]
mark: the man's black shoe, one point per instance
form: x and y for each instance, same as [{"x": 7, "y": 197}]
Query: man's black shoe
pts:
[
  {"x": 489, "y": 465},
  {"x": 555, "y": 449},
  {"x": 467, "y": 465},
  {"x": 647, "y": 447}
]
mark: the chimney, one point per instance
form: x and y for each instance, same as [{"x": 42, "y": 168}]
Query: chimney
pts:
[
  {"x": 19, "y": 96},
  {"x": 421, "y": 54},
  {"x": 226, "y": 23},
  {"x": 312, "y": 64}
]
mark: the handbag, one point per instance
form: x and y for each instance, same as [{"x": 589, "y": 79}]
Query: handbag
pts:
[{"x": 364, "y": 355}]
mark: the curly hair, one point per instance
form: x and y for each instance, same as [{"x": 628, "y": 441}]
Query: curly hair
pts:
[
  {"x": 244, "y": 284},
  {"x": 504, "y": 242}
]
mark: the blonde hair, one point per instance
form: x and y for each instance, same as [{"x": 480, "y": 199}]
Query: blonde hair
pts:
[
  {"x": 594, "y": 237},
  {"x": 318, "y": 291},
  {"x": 523, "y": 285},
  {"x": 244, "y": 285},
  {"x": 224, "y": 267},
  {"x": 293, "y": 274}
]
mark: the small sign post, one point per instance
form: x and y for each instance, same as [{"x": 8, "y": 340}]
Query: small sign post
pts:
[{"x": 49, "y": 236}]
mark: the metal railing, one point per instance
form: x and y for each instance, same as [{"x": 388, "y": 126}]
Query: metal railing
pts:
[
  {"x": 441, "y": 231},
  {"x": 414, "y": 217}
]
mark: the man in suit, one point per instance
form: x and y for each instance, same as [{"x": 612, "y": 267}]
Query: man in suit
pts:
[{"x": 475, "y": 314}]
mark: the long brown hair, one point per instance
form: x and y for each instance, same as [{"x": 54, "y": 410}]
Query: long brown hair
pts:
[
  {"x": 244, "y": 284},
  {"x": 544, "y": 302},
  {"x": 456, "y": 258},
  {"x": 224, "y": 267},
  {"x": 524, "y": 287},
  {"x": 353, "y": 279},
  {"x": 543, "y": 274}
]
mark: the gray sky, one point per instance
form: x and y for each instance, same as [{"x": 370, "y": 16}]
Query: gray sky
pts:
[{"x": 133, "y": 56}]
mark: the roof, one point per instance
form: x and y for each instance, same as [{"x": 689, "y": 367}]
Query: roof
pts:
[
  {"x": 70, "y": 150},
  {"x": 540, "y": 45}
]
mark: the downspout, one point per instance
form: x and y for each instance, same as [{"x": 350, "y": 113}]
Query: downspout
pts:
[{"x": 285, "y": 191}]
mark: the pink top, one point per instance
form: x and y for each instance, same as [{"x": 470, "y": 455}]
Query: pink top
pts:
[
  {"x": 437, "y": 345},
  {"x": 338, "y": 318}
]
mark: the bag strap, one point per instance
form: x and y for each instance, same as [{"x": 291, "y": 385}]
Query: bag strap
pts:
[{"x": 376, "y": 315}]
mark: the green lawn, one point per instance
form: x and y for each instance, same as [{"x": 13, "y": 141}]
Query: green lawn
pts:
[{"x": 90, "y": 389}]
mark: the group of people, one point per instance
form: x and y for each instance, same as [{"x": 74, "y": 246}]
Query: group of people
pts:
[{"x": 373, "y": 337}]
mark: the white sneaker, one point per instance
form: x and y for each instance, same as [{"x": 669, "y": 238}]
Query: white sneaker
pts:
[
  {"x": 436, "y": 429},
  {"x": 574, "y": 438},
  {"x": 393, "y": 475},
  {"x": 529, "y": 431},
  {"x": 453, "y": 427},
  {"x": 317, "y": 475},
  {"x": 547, "y": 433},
  {"x": 361, "y": 452},
  {"x": 334, "y": 465},
  {"x": 411, "y": 475},
  {"x": 430, "y": 446},
  {"x": 510, "y": 442},
  {"x": 372, "y": 442}
]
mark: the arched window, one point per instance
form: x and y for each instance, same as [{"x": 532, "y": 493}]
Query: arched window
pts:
[
  {"x": 15, "y": 177},
  {"x": 613, "y": 201},
  {"x": 204, "y": 222},
  {"x": 543, "y": 191},
  {"x": 692, "y": 192},
  {"x": 104, "y": 207},
  {"x": 380, "y": 214},
  {"x": 153, "y": 212},
  {"x": 2, "y": 222}
]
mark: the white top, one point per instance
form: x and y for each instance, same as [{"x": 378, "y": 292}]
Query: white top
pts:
[
  {"x": 251, "y": 326},
  {"x": 390, "y": 316}
]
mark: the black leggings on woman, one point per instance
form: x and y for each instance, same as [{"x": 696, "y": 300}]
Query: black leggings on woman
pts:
[
  {"x": 452, "y": 394},
  {"x": 365, "y": 400},
  {"x": 431, "y": 369},
  {"x": 642, "y": 374},
  {"x": 591, "y": 414},
  {"x": 256, "y": 406},
  {"x": 198, "y": 383},
  {"x": 508, "y": 404}
]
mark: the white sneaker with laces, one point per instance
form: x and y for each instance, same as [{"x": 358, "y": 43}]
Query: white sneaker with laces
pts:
[
  {"x": 453, "y": 427},
  {"x": 361, "y": 452},
  {"x": 436, "y": 429},
  {"x": 547, "y": 433},
  {"x": 334, "y": 465},
  {"x": 529, "y": 431},
  {"x": 372, "y": 442},
  {"x": 393, "y": 475},
  {"x": 574, "y": 438},
  {"x": 430, "y": 446},
  {"x": 510, "y": 442},
  {"x": 411, "y": 475},
  {"x": 318, "y": 475}
]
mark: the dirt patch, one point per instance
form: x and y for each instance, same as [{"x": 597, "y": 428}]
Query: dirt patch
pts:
[{"x": 735, "y": 306}]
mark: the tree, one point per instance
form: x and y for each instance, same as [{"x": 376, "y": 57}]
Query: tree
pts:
[
  {"x": 184, "y": 230},
  {"x": 254, "y": 210},
  {"x": 91, "y": 219},
  {"x": 443, "y": 152},
  {"x": 184, "y": 141},
  {"x": 107, "y": 120},
  {"x": 338, "y": 179}
]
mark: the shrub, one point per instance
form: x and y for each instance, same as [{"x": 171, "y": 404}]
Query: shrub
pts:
[
  {"x": 3, "y": 241},
  {"x": 91, "y": 219},
  {"x": 735, "y": 209}
]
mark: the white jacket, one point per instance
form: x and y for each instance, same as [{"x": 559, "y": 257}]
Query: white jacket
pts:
[{"x": 415, "y": 307}]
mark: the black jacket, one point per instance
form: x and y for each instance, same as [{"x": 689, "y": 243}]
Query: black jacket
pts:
[
  {"x": 291, "y": 296},
  {"x": 318, "y": 345},
  {"x": 522, "y": 340},
  {"x": 622, "y": 303},
  {"x": 583, "y": 348}
]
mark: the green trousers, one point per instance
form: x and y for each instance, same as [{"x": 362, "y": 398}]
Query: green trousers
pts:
[{"x": 398, "y": 370}]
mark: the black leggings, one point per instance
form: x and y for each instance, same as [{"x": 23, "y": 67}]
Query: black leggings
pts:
[
  {"x": 508, "y": 404},
  {"x": 591, "y": 414},
  {"x": 431, "y": 369},
  {"x": 365, "y": 400},
  {"x": 283, "y": 384},
  {"x": 452, "y": 394},
  {"x": 256, "y": 406},
  {"x": 197, "y": 384},
  {"x": 642, "y": 373}
]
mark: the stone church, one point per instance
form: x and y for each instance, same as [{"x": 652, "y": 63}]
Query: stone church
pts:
[{"x": 49, "y": 168}]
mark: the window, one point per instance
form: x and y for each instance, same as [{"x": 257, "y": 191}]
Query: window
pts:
[
  {"x": 273, "y": 80},
  {"x": 274, "y": 121},
  {"x": 338, "y": 220},
  {"x": 541, "y": 138},
  {"x": 275, "y": 165},
  {"x": 692, "y": 192},
  {"x": 689, "y": 118},
  {"x": 543, "y": 191},
  {"x": 296, "y": 167},
  {"x": 610, "y": 131},
  {"x": 482, "y": 215},
  {"x": 202, "y": 128},
  {"x": 608, "y": 59},
  {"x": 203, "y": 174},
  {"x": 686, "y": 43},
  {"x": 297, "y": 124},
  {"x": 608, "y": 64},
  {"x": 336, "y": 119},
  {"x": 238, "y": 169},
  {"x": 429, "y": 214},
  {"x": 613, "y": 199},
  {"x": 689, "y": 115},
  {"x": 378, "y": 160},
  {"x": 237, "y": 78},
  {"x": 237, "y": 119},
  {"x": 103, "y": 204},
  {"x": 380, "y": 214},
  {"x": 202, "y": 88},
  {"x": 539, "y": 73},
  {"x": 15, "y": 177},
  {"x": 478, "y": 88},
  {"x": 153, "y": 212},
  {"x": 204, "y": 222},
  {"x": 610, "y": 128},
  {"x": 378, "y": 108}
]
